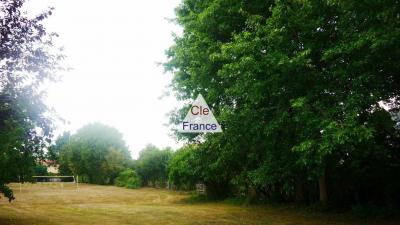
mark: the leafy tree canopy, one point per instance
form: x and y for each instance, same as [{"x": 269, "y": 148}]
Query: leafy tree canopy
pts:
[
  {"x": 297, "y": 87},
  {"x": 27, "y": 59},
  {"x": 152, "y": 165},
  {"x": 96, "y": 152}
]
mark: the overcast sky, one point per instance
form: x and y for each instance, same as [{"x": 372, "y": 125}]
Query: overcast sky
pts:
[{"x": 113, "y": 48}]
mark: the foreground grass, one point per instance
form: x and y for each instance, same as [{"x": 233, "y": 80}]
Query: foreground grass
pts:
[{"x": 94, "y": 204}]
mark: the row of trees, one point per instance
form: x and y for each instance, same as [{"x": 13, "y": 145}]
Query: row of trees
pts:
[
  {"x": 306, "y": 93},
  {"x": 98, "y": 154}
]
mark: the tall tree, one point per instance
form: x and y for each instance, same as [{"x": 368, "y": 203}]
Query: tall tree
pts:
[
  {"x": 152, "y": 165},
  {"x": 297, "y": 87},
  {"x": 27, "y": 59},
  {"x": 96, "y": 152}
]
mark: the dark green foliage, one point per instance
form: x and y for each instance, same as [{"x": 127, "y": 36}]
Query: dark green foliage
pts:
[
  {"x": 182, "y": 168},
  {"x": 53, "y": 153},
  {"x": 26, "y": 62},
  {"x": 297, "y": 87},
  {"x": 41, "y": 170},
  {"x": 152, "y": 166},
  {"x": 7, "y": 192},
  {"x": 128, "y": 178}
]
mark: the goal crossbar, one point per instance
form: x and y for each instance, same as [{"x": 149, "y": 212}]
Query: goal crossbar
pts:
[{"x": 51, "y": 176}]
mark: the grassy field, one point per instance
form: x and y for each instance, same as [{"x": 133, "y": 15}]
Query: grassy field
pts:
[{"x": 94, "y": 204}]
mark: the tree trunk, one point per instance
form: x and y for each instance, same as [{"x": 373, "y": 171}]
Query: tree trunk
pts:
[
  {"x": 300, "y": 190},
  {"x": 323, "y": 194}
]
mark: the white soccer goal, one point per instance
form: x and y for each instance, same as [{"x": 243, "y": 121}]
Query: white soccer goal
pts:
[
  {"x": 57, "y": 179},
  {"x": 69, "y": 179}
]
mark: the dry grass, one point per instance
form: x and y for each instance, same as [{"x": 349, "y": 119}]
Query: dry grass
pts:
[{"x": 94, "y": 204}]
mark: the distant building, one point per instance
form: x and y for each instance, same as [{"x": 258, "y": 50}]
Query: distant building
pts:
[{"x": 51, "y": 166}]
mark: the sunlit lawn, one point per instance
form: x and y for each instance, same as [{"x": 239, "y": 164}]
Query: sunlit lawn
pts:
[{"x": 94, "y": 204}]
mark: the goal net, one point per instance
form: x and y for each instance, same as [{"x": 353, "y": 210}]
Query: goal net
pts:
[
  {"x": 51, "y": 180},
  {"x": 55, "y": 179}
]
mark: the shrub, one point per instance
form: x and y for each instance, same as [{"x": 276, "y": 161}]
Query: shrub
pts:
[{"x": 128, "y": 178}]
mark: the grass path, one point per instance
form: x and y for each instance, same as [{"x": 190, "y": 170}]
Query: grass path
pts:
[{"x": 94, "y": 204}]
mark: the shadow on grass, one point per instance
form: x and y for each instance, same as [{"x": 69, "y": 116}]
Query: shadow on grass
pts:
[
  {"x": 20, "y": 221},
  {"x": 355, "y": 215},
  {"x": 194, "y": 198}
]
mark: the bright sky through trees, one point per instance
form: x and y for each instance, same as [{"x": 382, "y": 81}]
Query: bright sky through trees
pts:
[{"x": 113, "y": 48}]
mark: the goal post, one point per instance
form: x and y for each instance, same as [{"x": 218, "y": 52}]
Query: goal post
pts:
[
  {"x": 57, "y": 179},
  {"x": 65, "y": 179}
]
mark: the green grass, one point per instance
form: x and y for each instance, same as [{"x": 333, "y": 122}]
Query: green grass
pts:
[{"x": 95, "y": 204}]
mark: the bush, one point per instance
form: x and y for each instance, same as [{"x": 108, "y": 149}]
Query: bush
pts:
[{"x": 128, "y": 178}]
